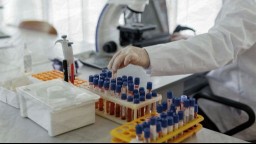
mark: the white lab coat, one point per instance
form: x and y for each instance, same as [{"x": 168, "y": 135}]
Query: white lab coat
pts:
[{"x": 229, "y": 50}]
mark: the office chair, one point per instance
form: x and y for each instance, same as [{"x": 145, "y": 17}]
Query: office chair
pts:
[
  {"x": 39, "y": 26},
  {"x": 202, "y": 90}
]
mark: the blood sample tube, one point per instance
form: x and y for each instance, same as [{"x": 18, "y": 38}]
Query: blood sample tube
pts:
[
  {"x": 124, "y": 87},
  {"x": 159, "y": 130},
  {"x": 192, "y": 109},
  {"x": 106, "y": 91},
  {"x": 159, "y": 109},
  {"x": 118, "y": 96},
  {"x": 129, "y": 110},
  {"x": 182, "y": 99},
  {"x": 112, "y": 105},
  {"x": 101, "y": 88},
  {"x": 153, "y": 128},
  {"x": 130, "y": 89},
  {"x": 148, "y": 107},
  {"x": 136, "y": 83},
  {"x": 95, "y": 83},
  {"x": 154, "y": 95},
  {"x": 176, "y": 121},
  {"x": 91, "y": 81},
  {"x": 164, "y": 104},
  {"x": 123, "y": 108},
  {"x": 112, "y": 89},
  {"x": 147, "y": 135},
  {"x": 177, "y": 104},
  {"x": 137, "y": 101},
  {"x": 139, "y": 130},
  {"x": 142, "y": 110},
  {"x": 181, "y": 116},
  {"x": 149, "y": 87},
  {"x": 169, "y": 99},
  {"x": 196, "y": 111},
  {"x": 186, "y": 111}
]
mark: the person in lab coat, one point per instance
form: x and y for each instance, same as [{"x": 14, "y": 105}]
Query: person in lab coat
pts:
[{"x": 228, "y": 51}]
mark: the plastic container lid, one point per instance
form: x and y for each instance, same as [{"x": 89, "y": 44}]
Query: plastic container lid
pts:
[
  {"x": 170, "y": 121},
  {"x": 158, "y": 127},
  {"x": 146, "y": 133},
  {"x": 176, "y": 118},
  {"x": 153, "y": 121},
  {"x": 165, "y": 107},
  {"x": 113, "y": 86},
  {"x": 136, "y": 96},
  {"x": 91, "y": 78},
  {"x": 192, "y": 102},
  {"x": 169, "y": 95},
  {"x": 131, "y": 87},
  {"x": 148, "y": 96},
  {"x": 177, "y": 102},
  {"x": 139, "y": 129},
  {"x": 164, "y": 123},
  {"x": 123, "y": 96},
  {"x": 196, "y": 108},
  {"x": 186, "y": 103},
  {"x": 130, "y": 99},
  {"x": 159, "y": 108},
  {"x": 136, "y": 101},
  {"x": 154, "y": 94},
  {"x": 149, "y": 85},
  {"x": 137, "y": 81},
  {"x": 181, "y": 115},
  {"x": 95, "y": 81},
  {"x": 183, "y": 98},
  {"x": 142, "y": 98},
  {"x": 58, "y": 94}
]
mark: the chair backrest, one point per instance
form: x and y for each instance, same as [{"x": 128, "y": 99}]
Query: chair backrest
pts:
[{"x": 40, "y": 26}]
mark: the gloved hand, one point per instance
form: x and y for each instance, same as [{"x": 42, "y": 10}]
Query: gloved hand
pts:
[{"x": 129, "y": 55}]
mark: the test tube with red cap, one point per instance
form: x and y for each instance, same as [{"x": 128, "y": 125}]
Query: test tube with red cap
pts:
[
  {"x": 123, "y": 108},
  {"x": 129, "y": 110}
]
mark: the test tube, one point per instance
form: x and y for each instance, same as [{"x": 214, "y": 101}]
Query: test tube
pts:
[
  {"x": 154, "y": 95},
  {"x": 149, "y": 87},
  {"x": 159, "y": 109},
  {"x": 147, "y": 135},
  {"x": 124, "y": 88},
  {"x": 148, "y": 107},
  {"x": 153, "y": 128},
  {"x": 176, "y": 121},
  {"x": 164, "y": 104},
  {"x": 129, "y": 110},
  {"x": 112, "y": 92},
  {"x": 192, "y": 109},
  {"x": 91, "y": 81},
  {"x": 170, "y": 124},
  {"x": 142, "y": 110},
  {"x": 141, "y": 89},
  {"x": 136, "y": 113},
  {"x": 136, "y": 83},
  {"x": 95, "y": 83},
  {"x": 118, "y": 96},
  {"x": 159, "y": 130},
  {"x": 173, "y": 108},
  {"x": 177, "y": 104},
  {"x": 169, "y": 99},
  {"x": 112, "y": 89},
  {"x": 136, "y": 96},
  {"x": 101, "y": 88},
  {"x": 186, "y": 111},
  {"x": 124, "y": 78},
  {"x": 163, "y": 115},
  {"x": 123, "y": 108},
  {"x": 164, "y": 126},
  {"x": 130, "y": 89},
  {"x": 139, "y": 130},
  {"x": 181, "y": 116},
  {"x": 106, "y": 91},
  {"x": 182, "y": 99},
  {"x": 196, "y": 110}
]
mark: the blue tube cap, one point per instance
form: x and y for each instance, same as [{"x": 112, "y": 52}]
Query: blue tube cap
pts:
[
  {"x": 123, "y": 96},
  {"x": 106, "y": 84},
  {"x": 170, "y": 113},
  {"x": 130, "y": 99},
  {"x": 159, "y": 108},
  {"x": 148, "y": 96},
  {"x": 109, "y": 74},
  {"x": 135, "y": 91},
  {"x": 96, "y": 76},
  {"x": 136, "y": 96},
  {"x": 170, "y": 121},
  {"x": 141, "y": 89},
  {"x": 118, "y": 88},
  {"x": 169, "y": 95},
  {"x": 177, "y": 102},
  {"x": 145, "y": 125},
  {"x": 164, "y": 123},
  {"x": 149, "y": 85},
  {"x": 173, "y": 108},
  {"x": 146, "y": 133},
  {"x": 136, "y": 101},
  {"x": 124, "y": 83},
  {"x": 101, "y": 82},
  {"x": 130, "y": 87},
  {"x": 130, "y": 78},
  {"x": 187, "y": 103},
  {"x": 165, "y": 107},
  {"x": 154, "y": 94},
  {"x": 113, "y": 86},
  {"x": 153, "y": 121},
  {"x": 143, "y": 93},
  {"x": 137, "y": 81},
  {"x": 142, "y": 98},
  {"x": 158, "y": 127},
  {"x": 124, "y": 77},
  {"x": 183, "y": 98},
  {"x": 196, "y": 108},
  {"x": 95, "y": 81},
  {"x": 176, "y": 118},
  {"x": 113, "y": 80},
  {"x": 91, "y": 78},
  {"x": 139, "y": 129},
  {"x": 192, "y": 102},
  {"x": 163, "y": 115},
  {"x": 181, "y": 115}
]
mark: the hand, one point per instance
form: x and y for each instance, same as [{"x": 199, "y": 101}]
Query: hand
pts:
[
  {"x": 129, "y": 55},
  {"x": 179, "y": 36}
]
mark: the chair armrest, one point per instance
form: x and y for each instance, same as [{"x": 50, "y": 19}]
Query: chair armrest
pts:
[{"x": 234, "y": 104}]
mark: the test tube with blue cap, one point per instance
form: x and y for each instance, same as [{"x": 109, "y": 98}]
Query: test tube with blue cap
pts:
[
  {"x": 153, "y": 128},
  {"x": 154, "y": 95},
  {"x": 142, "y": 110},
  {"x": 149, "y": 87},
  {"x": 106, "y": 91},
  {"x": 148, "y": 107},
  {"x": 91, "y": 81},
  {"x": 136, "y": 113},
  {"x": 177, "y": 104},
  {"x": 109, "y": 74},
  {"x": 130, "y": 79},
  {"x": 139, "y": 133},
  {"x": 147, "y": 135},
  {"x": 123, "y": 108},
  {"x": 176, "y": 121},
  {"x": 169, "y": 99},
  {"x": 136, "y": 83},
  {"x": 95, "y": 83},
  {"x": 181, "y": 116},
  {"x": 159, "y": 109},
  {"x": 170, "y": 124},
  {"x": 124, "y": 87},
  {"x": 163, "y": 115},
  {"x": 159, "y": 130},
  {"x": 164, "y": 127},
  {"x": 129, "y": 110},
  {"x": 192, "y": 109},
  {"x": 196, "y": 111},
  {"x": 130, "y": 89},
  {"x": 101, "y": 88},
  {"x": 164, "y": 104},
  {"x": 182, "y": 99},
  {"x": 186, "y": 111},
  {"x": 118, "y": 96}
]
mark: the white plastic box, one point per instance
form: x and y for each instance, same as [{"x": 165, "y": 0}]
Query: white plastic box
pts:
[{"x": 57, "y": 106}]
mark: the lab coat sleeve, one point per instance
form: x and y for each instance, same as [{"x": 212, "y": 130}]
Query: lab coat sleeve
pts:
[{"x": 234, "y": 33}]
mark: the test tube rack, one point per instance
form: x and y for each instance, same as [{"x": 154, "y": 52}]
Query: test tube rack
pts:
[
  {"x": 134, "y": 107},
  {"x": 126, "y": 133},
  {"x": 55, "y": 74}
]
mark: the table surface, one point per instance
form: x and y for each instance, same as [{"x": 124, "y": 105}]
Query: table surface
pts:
[{"x": 14, "y": 128}]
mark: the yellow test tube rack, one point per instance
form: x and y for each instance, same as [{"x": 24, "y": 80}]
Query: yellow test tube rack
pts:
[
  {"x": 134, "y": 107},
  {"x": 126, "y": 133}
]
